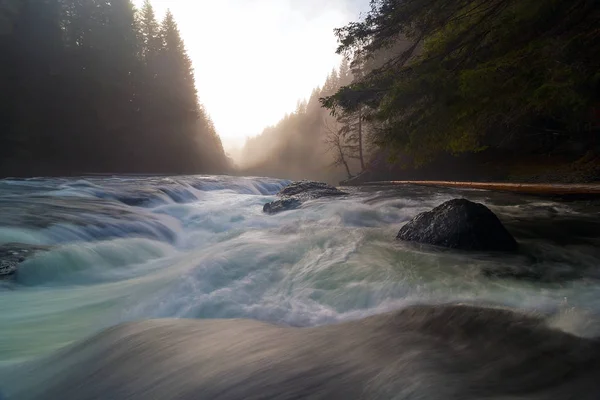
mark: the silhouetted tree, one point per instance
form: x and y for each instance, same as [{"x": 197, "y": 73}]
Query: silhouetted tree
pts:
[
  {"x": 337, "y": 146},
  {"x": 150, "y": 33},
  {"x": 94, "y": 86}
]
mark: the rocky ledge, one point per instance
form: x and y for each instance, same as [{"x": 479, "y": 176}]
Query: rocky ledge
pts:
[
  {"x": 293, "y": 195},
  {"x": 13, "y": 254}
]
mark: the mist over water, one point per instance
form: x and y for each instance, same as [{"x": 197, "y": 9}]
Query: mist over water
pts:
[{"x": 135, "y": 248}]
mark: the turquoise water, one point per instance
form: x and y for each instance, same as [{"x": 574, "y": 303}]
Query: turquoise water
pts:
[{"x": 135, "y": 248}]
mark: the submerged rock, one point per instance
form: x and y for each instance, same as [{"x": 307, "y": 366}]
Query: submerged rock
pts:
[
  {"x": 459, "y": 224},
  {"x": 310, "y": 189},
  {"x": 281, "y": 205},
  {"x": 13, "y": 254},
  {"x": 536, "y": 273},
  {"x": 293, "y": 195}
]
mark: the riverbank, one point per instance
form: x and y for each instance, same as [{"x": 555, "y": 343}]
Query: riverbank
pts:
[
  {"x": 588, "y": 189},
  {"x": 490, "y": 167}
]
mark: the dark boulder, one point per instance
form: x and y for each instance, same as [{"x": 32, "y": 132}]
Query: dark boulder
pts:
[
  {"x": 459, "y": 224},
  {"x": 13, "y": 254},
  {"x": 293, "y": 195}
]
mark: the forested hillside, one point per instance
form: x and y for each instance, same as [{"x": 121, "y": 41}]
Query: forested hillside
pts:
[
  {"x": 311, "y": 143},
  {"x": 94, "y": 86},
  {"x": 300, "y": 145},
  {"x": 515, "y": 80}
]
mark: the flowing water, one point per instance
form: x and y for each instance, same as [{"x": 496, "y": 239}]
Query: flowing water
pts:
[{"x": 124, "y": 249}]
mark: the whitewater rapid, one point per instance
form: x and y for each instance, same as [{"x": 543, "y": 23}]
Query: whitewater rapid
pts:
[{"x": 129, "y": 248}]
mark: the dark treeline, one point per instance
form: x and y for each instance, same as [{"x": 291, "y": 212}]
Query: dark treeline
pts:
[
  {"x": 96, "y": 86},
  {"x": 513, "y": 80}
]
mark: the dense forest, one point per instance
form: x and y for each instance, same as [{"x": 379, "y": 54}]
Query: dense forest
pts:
[
  {"x": 428, "y": 89},
  {"x": 451, "y": 89},
  {"x": 508, "y": 81},
  {"x": 95, "y": 86}
]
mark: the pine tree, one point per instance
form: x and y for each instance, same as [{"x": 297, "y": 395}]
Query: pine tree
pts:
[
  {"x": 151, "y": 46},
  {"x": 351, "y": 122},
  {"x": 122, "y": 33},
  {"x": 114, "y": 37},
  {"x": 35, "y": 61},
  {"x": 9, "y": 13},
  {"x": 301, "y": 107},
  {"x": 195, "y": 137},
  {"x": 93, "y": 86},
  {"x": 451, "y": 77},
  {"x": 150, "y": 32},
  {"x": 123, "y": 76},
  {"x": 176, "y": 71},
  {"x": 331, "y": 83},
  {"x": 345, "y": 74}
]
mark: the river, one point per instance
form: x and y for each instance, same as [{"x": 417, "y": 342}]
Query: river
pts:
[{"x": 132, "y": 248}]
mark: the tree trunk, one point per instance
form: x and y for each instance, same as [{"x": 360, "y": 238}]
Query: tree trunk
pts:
[
  {"x": 342, "y": 158},
  {"x": 360, "y": 141},
  {"x": 346, "y": 165}
]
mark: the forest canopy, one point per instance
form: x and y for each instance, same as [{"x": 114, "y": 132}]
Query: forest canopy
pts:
[
  {"x": 478, "y": 74},
  {"x": 98, "y": 86}
]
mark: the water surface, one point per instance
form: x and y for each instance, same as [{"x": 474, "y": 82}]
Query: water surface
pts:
[{"x": 198, "y": 247}]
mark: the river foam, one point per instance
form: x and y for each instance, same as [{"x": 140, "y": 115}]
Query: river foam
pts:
[{"x": 123, "y": 249}]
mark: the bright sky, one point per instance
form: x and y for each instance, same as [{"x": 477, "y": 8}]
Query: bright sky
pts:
[{"x": 255, "y": 58}]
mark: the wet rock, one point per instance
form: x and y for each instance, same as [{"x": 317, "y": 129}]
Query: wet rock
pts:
[
  {"x": 310, "y": 190},
  {"x": 293, "y": 195},
  {"x": 459, "y": 224},
  {"x": 359, "y": 179},
  {"x": 13, "y": 254},
  {"x": 281, "y": 205}
]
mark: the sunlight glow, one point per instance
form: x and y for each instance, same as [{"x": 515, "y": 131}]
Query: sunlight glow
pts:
[{"x": 255, "y": 58}]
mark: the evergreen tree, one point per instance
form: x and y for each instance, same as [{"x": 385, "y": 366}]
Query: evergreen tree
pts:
[
  {"x": 347, "y": 139},
  {"x": 332, "y": 83},
  {"x": 34, "y": 61},
  {"x": 176, "y": 73},
  {"x": 151, "y": 46},
  {"x": 350, "y": 132},
  {"x": 462, "y": 76},
  {"x": 9, "y": 12},
  {"x": 93, "y": 86},
  {"x": 345, "y": 74},
  {"x": 150, "y": 33}
]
